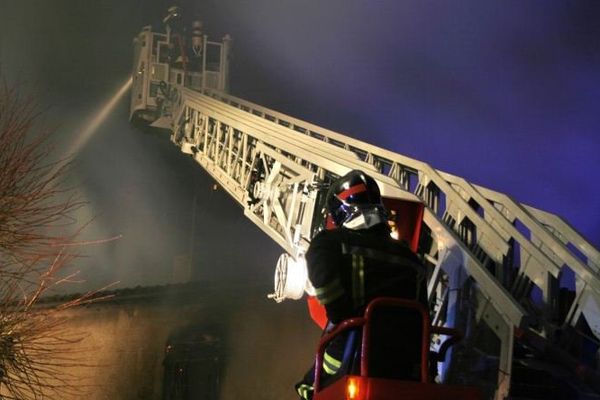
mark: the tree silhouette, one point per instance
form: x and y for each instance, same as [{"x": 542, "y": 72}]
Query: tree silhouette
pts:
[{"x": 37, "y": 240}]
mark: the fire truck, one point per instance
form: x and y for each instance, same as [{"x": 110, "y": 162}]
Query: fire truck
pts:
[{"x": 493, "y": 263}]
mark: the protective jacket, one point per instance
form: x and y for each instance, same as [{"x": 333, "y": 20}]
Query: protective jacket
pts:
[{"x": 349, "y": 268}]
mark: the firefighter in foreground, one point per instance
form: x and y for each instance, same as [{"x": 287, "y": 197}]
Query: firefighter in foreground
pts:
[{"x": 356, "y": 262}]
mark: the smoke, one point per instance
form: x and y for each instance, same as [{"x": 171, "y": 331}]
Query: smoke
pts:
[
  {"x": 137, "y": 184},
  {"x": 142, "y": 188}
]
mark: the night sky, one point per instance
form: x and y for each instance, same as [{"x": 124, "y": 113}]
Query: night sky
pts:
[{"x": 505, "y": 94}]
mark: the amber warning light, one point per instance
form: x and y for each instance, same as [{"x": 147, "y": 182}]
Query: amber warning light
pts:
[{"x": 354, "y": 389}]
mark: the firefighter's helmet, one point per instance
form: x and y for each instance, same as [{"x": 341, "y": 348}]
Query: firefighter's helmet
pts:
[{"x": 354, "y": 195}]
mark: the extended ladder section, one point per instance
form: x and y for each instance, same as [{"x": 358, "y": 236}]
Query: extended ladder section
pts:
[{"x": 494, "y": 263}]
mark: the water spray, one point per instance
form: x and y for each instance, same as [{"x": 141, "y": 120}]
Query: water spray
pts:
[{"x": 98, "y": 118}]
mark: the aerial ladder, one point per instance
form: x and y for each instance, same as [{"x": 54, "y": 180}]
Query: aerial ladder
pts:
[{"x": 487, "y": 254}]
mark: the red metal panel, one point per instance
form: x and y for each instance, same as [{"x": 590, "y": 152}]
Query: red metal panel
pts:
[
  {"x": 384, "y": 389},
  {"x": 408, "y": 219},
  {"x": 317, "y": 311}
]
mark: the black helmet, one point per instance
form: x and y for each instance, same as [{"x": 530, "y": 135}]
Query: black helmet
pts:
[{"x": 354, "y": 194}]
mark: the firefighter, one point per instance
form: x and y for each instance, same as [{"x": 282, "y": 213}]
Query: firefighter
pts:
[{"x": 356, "y": 262}]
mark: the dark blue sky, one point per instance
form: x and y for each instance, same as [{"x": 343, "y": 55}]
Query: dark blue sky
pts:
[{"x": 505, "y": 94}]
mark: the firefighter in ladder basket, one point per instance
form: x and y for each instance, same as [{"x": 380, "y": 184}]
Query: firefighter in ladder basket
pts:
[{"x": 356, "y": 262}]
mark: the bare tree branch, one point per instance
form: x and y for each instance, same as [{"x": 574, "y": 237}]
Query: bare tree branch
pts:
[{"x": 37, "y": 240}]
